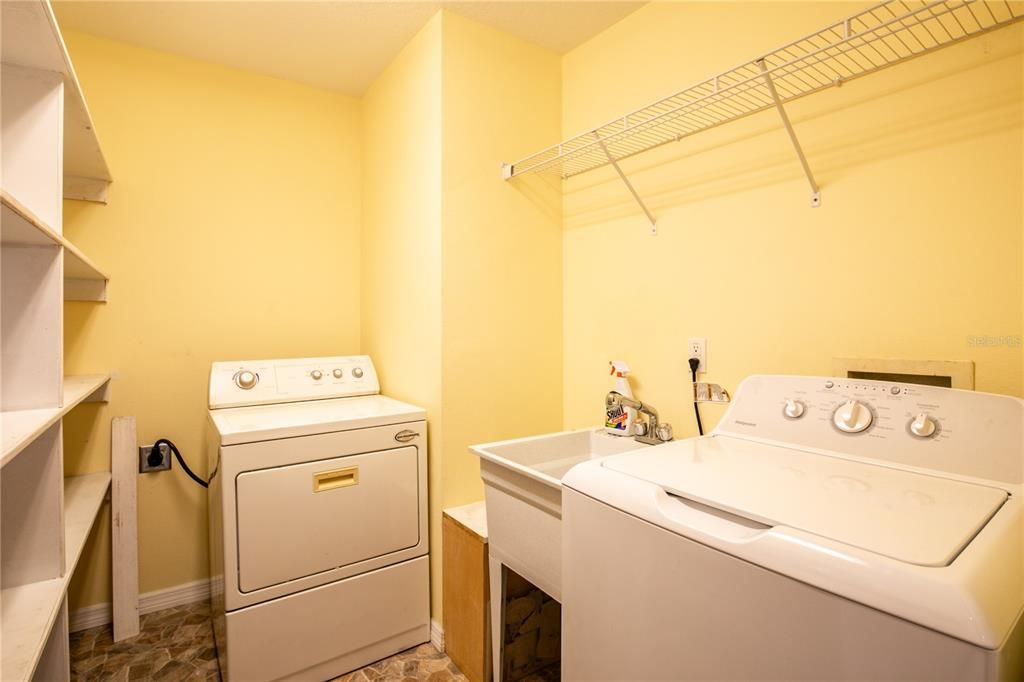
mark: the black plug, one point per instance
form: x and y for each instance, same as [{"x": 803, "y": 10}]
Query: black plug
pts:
[
  {"x": 694, "y": 362},
  {"x": 156, "y": 455}
]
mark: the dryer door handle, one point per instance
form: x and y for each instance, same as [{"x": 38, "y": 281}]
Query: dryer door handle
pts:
[{"x": 405, "y": 436}]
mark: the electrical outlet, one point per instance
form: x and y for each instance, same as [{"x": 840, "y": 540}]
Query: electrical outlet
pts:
[
  {"x": 161, "y": 459},
  {"x": 698, "y": 348}
]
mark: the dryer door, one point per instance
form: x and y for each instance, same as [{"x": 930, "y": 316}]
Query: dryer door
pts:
[{"x": 302, "y": 519}]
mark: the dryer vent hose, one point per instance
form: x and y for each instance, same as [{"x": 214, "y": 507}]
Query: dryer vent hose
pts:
[{"x": 181, "y": 460}]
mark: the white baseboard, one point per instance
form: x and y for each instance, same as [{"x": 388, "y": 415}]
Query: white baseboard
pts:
[
  {"x": 102, "y": 614},
  {"x": 436, "y": 635},
  {"x": 90, "y": 617},
  {"x": 174, "y": 596}
]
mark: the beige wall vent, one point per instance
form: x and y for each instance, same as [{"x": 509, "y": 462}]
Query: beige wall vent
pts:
[{"x": 947, "y": 373}]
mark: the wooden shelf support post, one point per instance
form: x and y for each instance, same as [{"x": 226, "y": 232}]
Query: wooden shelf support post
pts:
[{"x": 124, "y": 527}]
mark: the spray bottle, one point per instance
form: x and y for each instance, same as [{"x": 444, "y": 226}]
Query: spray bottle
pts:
[{"x": 619, "y": 420}]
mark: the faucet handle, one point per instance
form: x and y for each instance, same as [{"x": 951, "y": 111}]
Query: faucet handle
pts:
[
  {"x": 639, "y": 428},
  {"x": 663, "y": 432}
]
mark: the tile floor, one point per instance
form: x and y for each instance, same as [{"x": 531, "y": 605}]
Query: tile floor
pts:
[
  {"x": 174, "y": 644},
  {"x": 177, "y": 644}
]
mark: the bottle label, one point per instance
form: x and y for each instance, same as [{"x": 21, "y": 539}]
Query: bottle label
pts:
[{"x": 615, "y": 418}]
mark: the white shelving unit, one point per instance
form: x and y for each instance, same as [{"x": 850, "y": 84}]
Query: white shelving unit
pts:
[
  {"x": 32, "y": 39},
  {"x": 31, "y": 610},
  {"x": 885, "y": 34},
  {"x": 83, "y": 281},
  {"x": 49, "y": 152},
  {"x": 21, "y": 427}
]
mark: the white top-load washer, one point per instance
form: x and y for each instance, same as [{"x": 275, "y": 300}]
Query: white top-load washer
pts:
[
  {"x": 829, "y": 529},
  {"x": 318, "y": 518}
]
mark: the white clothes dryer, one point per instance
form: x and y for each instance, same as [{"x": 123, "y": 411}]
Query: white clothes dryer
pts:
[{"x": 318, "y": 518}]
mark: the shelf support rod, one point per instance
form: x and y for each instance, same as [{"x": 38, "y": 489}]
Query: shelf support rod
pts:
[
  {"x": 629, "y": 185},
  {"x": 815, "y": 191}
]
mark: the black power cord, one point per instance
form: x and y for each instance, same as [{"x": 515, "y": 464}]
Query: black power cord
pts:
[
  {"x": 155, "y": 458},
  {"x": 694, "y": 362}
]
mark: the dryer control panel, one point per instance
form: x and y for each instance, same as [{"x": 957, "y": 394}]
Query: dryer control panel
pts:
[
  {"x": 262, "y": 382},
  {"x": 941, "y": 429}
]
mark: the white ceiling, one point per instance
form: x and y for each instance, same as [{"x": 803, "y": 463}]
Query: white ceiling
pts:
[{"x": 340, "y": 45}]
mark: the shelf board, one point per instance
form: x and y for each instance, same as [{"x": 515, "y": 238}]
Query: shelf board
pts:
[
  {"x": 21, "y": 427},
  {"x": 32, "y": 39},
  {"x": 28, "y": 614},
  {"x": 83, "y": 496},
  {"x": 83, "y": 281},
  {"x": 29, "y": 611}
]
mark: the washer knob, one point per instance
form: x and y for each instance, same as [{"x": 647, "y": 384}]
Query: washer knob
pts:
[
  {"x": 317, "y": 375},
  {"x": 337, "y": 373},
  {"x": 357, "y": 372},
  {"x": 923, "y": 426},
  {"x": 246, "y": 380},
  {"x": 852, "y": 416},
  {"x": 794, "y": 409}
]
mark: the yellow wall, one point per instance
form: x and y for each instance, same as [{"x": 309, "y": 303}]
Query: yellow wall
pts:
[
  {"x": 502, "y": 314},
  {"x": 232, "y": 232},
  {"x": 401, "y": 312},
  {"x": 461, "y": 271},
  {"x": 915, "y": 248}
]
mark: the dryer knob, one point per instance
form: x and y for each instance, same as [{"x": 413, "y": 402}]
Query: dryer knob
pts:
[
  {"x": 246, "y": 380},
  {"x": 317, "y": 375},
  {"x": 337, "y": 373},
  {"x": 357, "y": 372}
]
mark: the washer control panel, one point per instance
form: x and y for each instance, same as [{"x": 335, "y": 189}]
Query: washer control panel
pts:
[
  {"x": 962, "y": 432},
  {"x": 855, "y": 407},
  {"x": 261, "y": 382}
]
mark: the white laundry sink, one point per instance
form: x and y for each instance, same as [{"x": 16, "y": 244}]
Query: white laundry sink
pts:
[{"x": 523, "y": 494}]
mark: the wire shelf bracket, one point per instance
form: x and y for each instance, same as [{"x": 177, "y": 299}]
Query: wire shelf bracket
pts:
[
  {"x": 815, "y": 190},
  {"x": 629, "y": 185},
  {"x": 885, "y": 34}
]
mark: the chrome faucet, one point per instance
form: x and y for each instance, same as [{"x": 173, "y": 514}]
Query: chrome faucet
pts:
[{"x": 651, "y": 433}]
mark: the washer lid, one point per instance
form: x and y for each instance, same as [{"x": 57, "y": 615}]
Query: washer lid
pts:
[
  {"x": 910, "y": 517},
  {"x": 288, "y": 420}
]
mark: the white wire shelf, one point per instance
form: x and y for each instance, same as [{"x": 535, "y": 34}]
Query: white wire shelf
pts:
[{"x": 885, "y": 34}]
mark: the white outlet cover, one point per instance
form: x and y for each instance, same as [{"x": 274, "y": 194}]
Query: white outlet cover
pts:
[{"x": 697, "y": 347}]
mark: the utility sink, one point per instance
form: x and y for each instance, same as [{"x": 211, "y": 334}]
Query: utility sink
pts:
[{"x": 523, "y": 495}]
